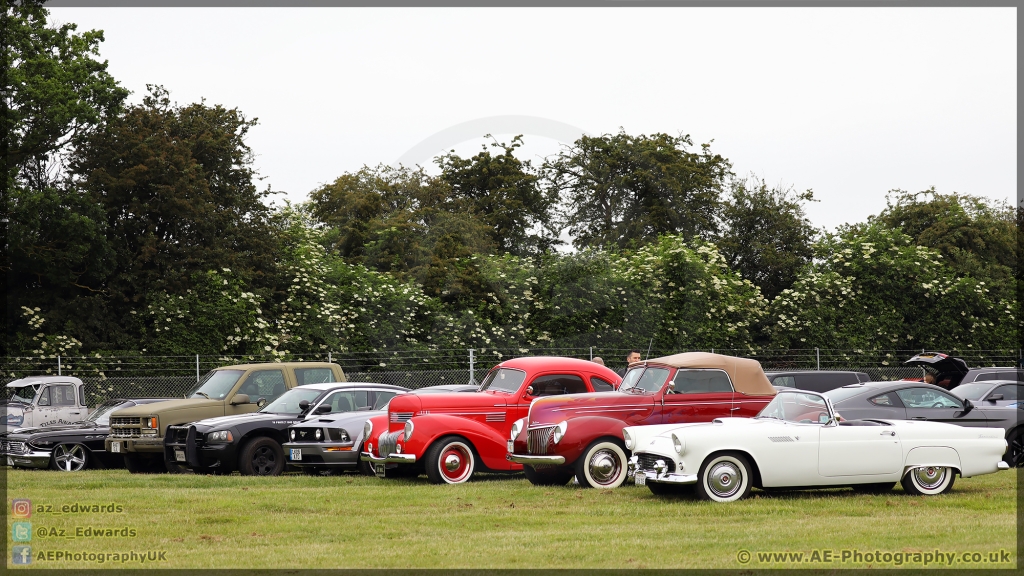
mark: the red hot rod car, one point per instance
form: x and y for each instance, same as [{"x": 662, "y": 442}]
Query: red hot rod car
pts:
[
  {"x": 451, "y": 436},
  {"x": 581, "y": 435}
]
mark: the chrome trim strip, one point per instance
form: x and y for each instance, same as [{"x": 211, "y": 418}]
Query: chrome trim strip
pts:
[
  {"x": 669, "y": 478},
  {"x": 534, "y": 460}
]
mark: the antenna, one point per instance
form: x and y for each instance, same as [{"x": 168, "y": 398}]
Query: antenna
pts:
[{"x": 649, "y": 349}]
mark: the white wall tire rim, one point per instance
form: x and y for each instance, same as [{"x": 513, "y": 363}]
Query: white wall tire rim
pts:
[
  {"x": 931, "y": 479},
  {"x": 456, "y": 463},
  {"x": 605, "y": 465},
  {"x": 725, "y": 479}
]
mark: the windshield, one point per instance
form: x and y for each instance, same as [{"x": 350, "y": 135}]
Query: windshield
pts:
[
  {"x": 101, "y": 415},
  {"x": 216, "y": 384},
  {"x": 651, "y": 380},
  {"x": 25, "y": 394},
  {"x": 797, "y": 407},
  {"x": 288, "y": 403},
  {"x": 504, "y": 380},
  {"x": 837, "y": 395},
  {"x": 973, "y": 392}
]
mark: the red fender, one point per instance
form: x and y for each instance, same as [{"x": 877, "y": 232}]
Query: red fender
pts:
[
  {"x": 581, "y": 431},
  {"x": 490, "y": 444}
]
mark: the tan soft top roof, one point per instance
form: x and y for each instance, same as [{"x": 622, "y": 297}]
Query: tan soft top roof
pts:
[{"x": 746, "y": 373}]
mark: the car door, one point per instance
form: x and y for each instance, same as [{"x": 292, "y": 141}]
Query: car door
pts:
[
  {"x": 259, "y": 384},
  {"x": 697, "y": 395},
  {"x": 938, "y": 406},
  {"x": 859, "y": 451},
  {"x": 65, "y": 403}
]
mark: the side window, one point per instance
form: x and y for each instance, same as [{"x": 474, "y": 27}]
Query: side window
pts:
[
  {"x": 786, "y": 381},
  {"x": 554, "y": 384},
  {"x": 81, "y": 395},
  {"x": 267, "y": 384},
  {"x": 927, "y": 398},
  {"x": 382, "y": 400},
  {"x": 702, "y": 382},
  {"x": 44, "y": 397},
  {"x": 1009, "y": 391},
  {"x": 1008, "y": 375},
  {"x": 987, "y": 376},
  {"x": 888, "y": 400},
  {"x": 313, "y": 375},
  {"x": 601, "y": 385},
  {"x": 63, "y": 395}
]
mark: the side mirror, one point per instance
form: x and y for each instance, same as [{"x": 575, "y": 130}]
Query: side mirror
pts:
[
  {"x": 671, "y": 386},
  {"x": 529, "y": 390},
  {"x": 995, "y": 397},
  {"x": 968, "y": 406},
  {"x": 323, "y": 409},
  {"x": 240, "y": 399},
  {"x": 261, "y": 402},
  {"x": 303, "y": 405}
]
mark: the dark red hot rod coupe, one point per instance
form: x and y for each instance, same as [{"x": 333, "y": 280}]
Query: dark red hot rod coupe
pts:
[
  {"x": 451, "y": 436},
  {"x": 581, "y": 434}
]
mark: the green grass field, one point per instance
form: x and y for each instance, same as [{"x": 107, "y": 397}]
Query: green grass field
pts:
[{"x": 351, "y": 521}]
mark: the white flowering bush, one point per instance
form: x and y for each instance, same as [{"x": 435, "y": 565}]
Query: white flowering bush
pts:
[{"x": 870, "y": 287}]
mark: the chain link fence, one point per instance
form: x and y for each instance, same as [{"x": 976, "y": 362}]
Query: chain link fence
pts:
[{"x": 137, "y": 376}]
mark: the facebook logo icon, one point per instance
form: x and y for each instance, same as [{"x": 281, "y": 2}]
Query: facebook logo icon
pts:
[{"x": 21, "y": 555}]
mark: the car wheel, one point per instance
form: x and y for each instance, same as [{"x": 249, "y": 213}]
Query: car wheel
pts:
[
  {"x": 1015, "y": 448},
  {"x": 724, "y": 478},
  {"x": 928, "y": 480},
  {"x": 69, "y": 457},
  {"x": 364, "y": 468},
  {"x": 450, "y": 460},
  {"x": 261, "y": 457},
  {"x": 548, "y": 477},
  {"x": 602, "y": 465},
  {"x": 877, "y": 488}
]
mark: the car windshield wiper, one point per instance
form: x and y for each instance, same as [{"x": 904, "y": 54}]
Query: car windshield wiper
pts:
[
  {"x": 205, "y": 395},
  {"x": 766, "y": 416}
]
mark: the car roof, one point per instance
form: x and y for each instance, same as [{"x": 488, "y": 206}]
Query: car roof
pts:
[
  {"x": 783, "y": 372},
  {"x": 32, "y": 380},
  {"x": 333, "y": 385},
  {"x": 278, "y": 364}
]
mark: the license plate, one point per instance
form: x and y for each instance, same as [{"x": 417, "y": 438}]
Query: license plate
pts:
[
  {"x": 115, "y": 446},
  {"x": 179, "y": 455},
  {"x": 378, "y": 470},
  {"x": 295, "y": 453},
  {"x": 640, "y": 479}
]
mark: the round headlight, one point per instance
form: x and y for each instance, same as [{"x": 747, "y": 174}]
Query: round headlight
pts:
[
  {"x": 556, "y": 436},
  {"x": 291, "y": 435},
  {"x": 344, "y": 435},
  {"x": 318, "y": 434},
  {"x": 628, "y": 439},
  {"x": 408, "y": 430},
  {"x": 517, "y": 427},
  {"x": 367, "y": 429},
  {"x": 678, "y": 444}
]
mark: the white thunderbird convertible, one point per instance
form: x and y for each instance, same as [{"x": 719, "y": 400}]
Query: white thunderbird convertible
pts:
[{"x": 797, "y": 441}]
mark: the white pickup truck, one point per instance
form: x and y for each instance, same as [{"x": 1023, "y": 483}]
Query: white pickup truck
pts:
[{"x": 39, "y": 401}]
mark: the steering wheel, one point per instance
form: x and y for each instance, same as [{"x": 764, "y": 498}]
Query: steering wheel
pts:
[{"x": 938, "y": 405}]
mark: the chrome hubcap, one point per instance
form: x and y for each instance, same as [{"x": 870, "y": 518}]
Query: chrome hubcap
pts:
[
  {"x": 604, "y": 467},
  {"x": 452, "y": 462},
  {"x": 69, "y": 459},
  {"x": 930, "y": 477},
  {"x": 724, "y": 479}
]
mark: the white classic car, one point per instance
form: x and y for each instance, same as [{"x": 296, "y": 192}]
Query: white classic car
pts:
[{"x": 797, "y": 441}]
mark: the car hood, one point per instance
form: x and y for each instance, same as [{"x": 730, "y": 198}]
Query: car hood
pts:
[
  {"x": 157, "y": 408},
  {"x": 239, "y": 419},
  {"x": 554, "y": 409},
  {"x": 343, "y": 419},
  {"x": 414, "y": 403}
]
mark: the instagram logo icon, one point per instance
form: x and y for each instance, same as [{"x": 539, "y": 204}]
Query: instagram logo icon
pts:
[{"x": 21, "y": 508}]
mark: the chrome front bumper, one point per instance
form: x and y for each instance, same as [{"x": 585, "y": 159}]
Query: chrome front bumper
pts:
[
  {"x": 28, "y": 459},
  {"x": 659, "y": 475},
  {"x": 393, "y": 458},
  {"x": 532, "y": 460}
]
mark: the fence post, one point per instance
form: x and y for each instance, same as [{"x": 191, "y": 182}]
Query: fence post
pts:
[
  {"x": 591, "y": 353},
  {"x": 329, "y": 358},
  {"x": 817, "y": 357},
  {"x": 472, "y": 376},
  {"x": 197, "y": 368},
  {"x": 58, "y": 365}
]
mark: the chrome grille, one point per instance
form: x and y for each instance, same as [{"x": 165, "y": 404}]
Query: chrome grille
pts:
[
  {"x": 400, "y": 417},
  {"x": 538, "y": 439},
  {"x": 125, "y": 432},
  {"x": 126, "y": 421},
  {"x": 387, "y": 442},
  {"x": 646, "y": 462},
  {"x": 16, "y": 447},
  {"x": 4, "y": 446}
]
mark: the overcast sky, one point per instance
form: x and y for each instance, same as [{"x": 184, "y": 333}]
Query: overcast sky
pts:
[{"x": 848, "y": 102}]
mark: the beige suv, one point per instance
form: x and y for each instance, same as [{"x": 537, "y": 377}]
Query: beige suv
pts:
[{"x": 138, "y": 432}]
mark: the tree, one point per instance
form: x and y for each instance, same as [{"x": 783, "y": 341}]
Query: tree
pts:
[
  {"x": 177, "y": 190},
  {"x": 767, "y": 237},
  {"x": 503, "y": 192},
  {"x": 620, "y": 190}
]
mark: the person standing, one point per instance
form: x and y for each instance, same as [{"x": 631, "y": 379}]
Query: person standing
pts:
[{"x": 633, "y": 356}]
